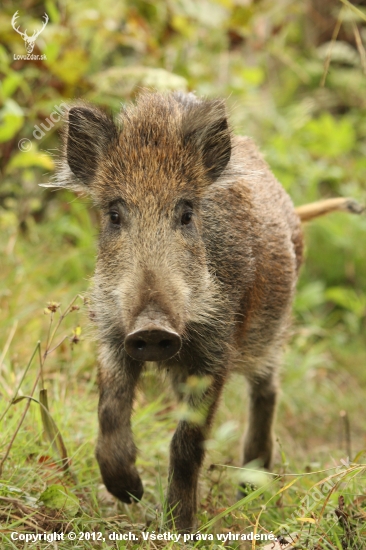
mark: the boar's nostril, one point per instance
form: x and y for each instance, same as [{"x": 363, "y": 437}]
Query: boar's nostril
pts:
[
  {"x": 152, "y": 343},
  {"x": 140, "y": 344}
]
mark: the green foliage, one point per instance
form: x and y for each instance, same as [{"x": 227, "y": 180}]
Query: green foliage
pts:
[
  {"x": 57, "y": 497},
  {"x": 299, "y": 89}
]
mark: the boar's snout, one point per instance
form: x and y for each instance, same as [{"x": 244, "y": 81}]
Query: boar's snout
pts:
[{"x": 152, "y": 343}]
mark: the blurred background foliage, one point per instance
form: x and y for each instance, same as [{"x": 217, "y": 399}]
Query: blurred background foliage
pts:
[{"x": 293, "y": 74}]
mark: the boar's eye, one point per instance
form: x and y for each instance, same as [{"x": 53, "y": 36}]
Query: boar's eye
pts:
[
  {"x": 114, "y": 217},
  {"x": 186, "y": 218}
]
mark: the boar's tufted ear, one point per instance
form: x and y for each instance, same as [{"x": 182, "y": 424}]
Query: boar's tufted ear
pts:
[
  {"x": 88, "y": 136},
  {"x": 206, "y": 128}
]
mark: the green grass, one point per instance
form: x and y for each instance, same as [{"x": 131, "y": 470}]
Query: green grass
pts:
[{"x": 320, "y": 379}]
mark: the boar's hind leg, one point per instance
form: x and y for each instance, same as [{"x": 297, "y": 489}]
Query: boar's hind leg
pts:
[
  {"x": 116, "y": 451},
  {"x": 258, "y": 441},
  {"x": 186, "y": 457}
]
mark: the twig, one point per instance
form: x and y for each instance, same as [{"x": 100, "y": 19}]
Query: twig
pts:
[
  {"x": 360, "y": 47},
  {"x": 24, "y": 520},
  {"x": 38, "y": 347},
  {"x": 4, "y": 352},
  {"x": 19, "y": 504},
  {"x": 347, "y": 431},
  {"x": 46, "y": 353},
  {"x": 329, "y": 54},
  {"x": 41, "y": 366},
  {"x": 354, "y": 9},
  {"x": 8, "y": 342},
  {"x": 62, "y": 317},
  {"x": 19, "y": 424}
]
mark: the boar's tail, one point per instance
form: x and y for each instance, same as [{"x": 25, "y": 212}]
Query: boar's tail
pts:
[{"x": 320, "y": 208}]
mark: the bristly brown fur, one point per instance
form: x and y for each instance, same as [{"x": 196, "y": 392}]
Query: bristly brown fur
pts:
[{"x": 198, "y": 240}]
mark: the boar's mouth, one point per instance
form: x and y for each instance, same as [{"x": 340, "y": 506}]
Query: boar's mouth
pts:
[{"x": 152, "y": 343}]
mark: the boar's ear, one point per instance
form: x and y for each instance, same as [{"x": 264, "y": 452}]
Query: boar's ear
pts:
[
  {"x": 206, "y": 128},
  {"x": 87, "y": 139},
  {"x": 88, "y": 134}
]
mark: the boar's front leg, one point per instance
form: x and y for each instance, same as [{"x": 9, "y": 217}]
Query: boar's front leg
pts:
[
  {"x": 116, "y": 451},
  {"x": 187, "y": 454}
]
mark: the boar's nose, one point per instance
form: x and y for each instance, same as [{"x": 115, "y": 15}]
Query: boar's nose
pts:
[{"x": 152, "y": 343}]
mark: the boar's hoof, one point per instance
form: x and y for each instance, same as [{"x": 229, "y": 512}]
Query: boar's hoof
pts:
[
  {"x": 152, "y": 343},
  {"x": 245, "y": 489},
  {"x": 127, "y": 494}
]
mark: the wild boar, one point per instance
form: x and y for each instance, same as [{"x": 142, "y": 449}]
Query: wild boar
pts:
[{"x": 199, "y": 253}]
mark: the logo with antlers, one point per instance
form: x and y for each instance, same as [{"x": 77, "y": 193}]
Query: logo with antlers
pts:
[{"x": 28, "y": 40}]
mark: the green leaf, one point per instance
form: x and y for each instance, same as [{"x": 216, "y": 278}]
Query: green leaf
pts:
[
  {"x": 52, "y": 11},
  {"x": 70, "y": 65},
  {"x": 31, "y": 158},
  {"x": 327, "y": 136},
  {"x": 51, "y": 430},
  {"x": 11, "y": 120},
  {"x": 347, "y": 298},
  {"x": 309, "y": 296},
  {"x": 58, "y": 497},
  {"x": 10, "y": 84}
]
